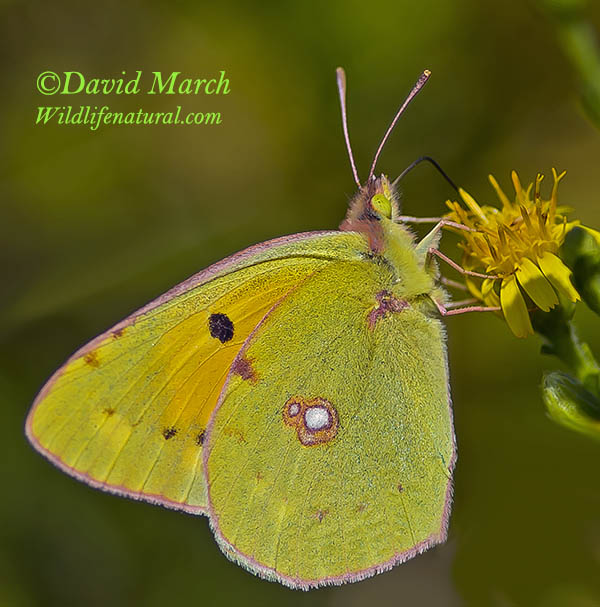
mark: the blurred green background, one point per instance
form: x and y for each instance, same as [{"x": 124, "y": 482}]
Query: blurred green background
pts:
[{"x": 96, "y": 223}]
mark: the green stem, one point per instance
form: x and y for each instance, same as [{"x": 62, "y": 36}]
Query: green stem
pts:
[{"x": 562, "y": 341}]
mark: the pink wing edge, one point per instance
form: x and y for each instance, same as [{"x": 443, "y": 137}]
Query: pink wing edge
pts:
[
  {"x": 213, "y": 271},
  {"x": 297, "y": 583}
]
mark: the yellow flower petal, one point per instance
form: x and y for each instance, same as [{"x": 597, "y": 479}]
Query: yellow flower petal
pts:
[
  {"x": 557, "y": 179},
  {"x": 472, "y": 204},
  {"x": 514, "y": 308},
  {"x": 538, "y": 182},
  {"x": 558, "y": 274},
  {"x": 536, "y": 285},
  {"x": 488, "y": 294},
  {"x": 518, "y": 188},
  {"x": 506, "y": 203}
]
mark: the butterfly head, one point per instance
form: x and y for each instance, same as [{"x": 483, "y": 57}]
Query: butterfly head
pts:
[
  {"x": 382, "y": 199},
  {"x": 374, "y": 211},
  {"x": 376, "y": 201}
]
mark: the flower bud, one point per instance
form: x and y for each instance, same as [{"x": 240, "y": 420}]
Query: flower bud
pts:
[{"x": 569, "y": 404}]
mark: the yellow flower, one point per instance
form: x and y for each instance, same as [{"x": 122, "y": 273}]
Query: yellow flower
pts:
[{"x": 518, "y": 244}]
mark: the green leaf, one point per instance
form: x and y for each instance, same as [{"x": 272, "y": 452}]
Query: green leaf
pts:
[{"x": 581, "y": 252}]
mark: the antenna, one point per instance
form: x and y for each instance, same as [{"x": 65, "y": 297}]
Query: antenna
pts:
[
  {"x": 341, "y": 84},
  {"x": 418, "y": 86},
  {"x": 418, "y": 161}
]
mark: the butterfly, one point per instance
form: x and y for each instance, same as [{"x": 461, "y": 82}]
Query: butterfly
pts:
[{"x": 296, "y": 393}]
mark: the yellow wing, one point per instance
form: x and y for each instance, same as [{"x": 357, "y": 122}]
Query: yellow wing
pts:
[
  {"x": 338, "y": 466},
  {"x": 128, "y": 411}
]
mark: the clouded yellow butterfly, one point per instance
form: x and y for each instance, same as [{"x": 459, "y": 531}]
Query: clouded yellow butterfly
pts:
[{"x": 296, "y": 393}]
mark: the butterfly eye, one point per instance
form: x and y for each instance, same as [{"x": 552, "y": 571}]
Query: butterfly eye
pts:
[{"x": 382, "y": 205}]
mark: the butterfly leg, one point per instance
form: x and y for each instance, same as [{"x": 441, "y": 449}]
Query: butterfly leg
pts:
[
  {"x": 432, "y": 239},
  {"x": 461, "y": 303},
  {"x": 449, "y": 311},
  {"x": 453, "y": 284},
  {"x": 453, "y": 264},
  {"x": 439, "y": 221},
  {"x": 428, "y": 247}
]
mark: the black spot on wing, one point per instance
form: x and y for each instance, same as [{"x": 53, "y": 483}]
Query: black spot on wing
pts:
[
  {"x": 169, "y": 432},
  {"x": 220, "y": 327}
]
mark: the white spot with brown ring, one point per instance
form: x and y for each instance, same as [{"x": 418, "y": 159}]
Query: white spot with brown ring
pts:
[{"x": 315, "y": 419}]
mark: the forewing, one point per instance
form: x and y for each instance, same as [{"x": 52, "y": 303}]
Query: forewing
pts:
[
  {"x": 128, "y": 412},
  {"x": 363, "y": 493}
]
